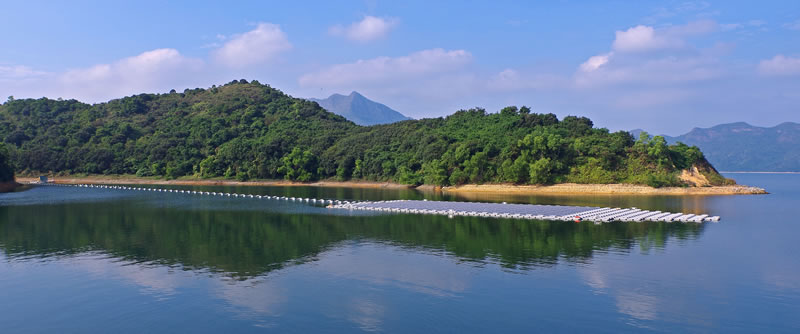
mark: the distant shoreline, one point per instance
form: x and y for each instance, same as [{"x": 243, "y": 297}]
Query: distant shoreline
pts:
[
  {"x": 122, "y": 179},
  {"x": 509, "y": 189},
  {"x": 604, "y": 189}
]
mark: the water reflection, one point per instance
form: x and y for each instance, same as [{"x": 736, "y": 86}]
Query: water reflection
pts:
[
  {"x": 163, "y": 243},
  {"x": 140, "y": 262},
  {"x": 254, "y": 241}
]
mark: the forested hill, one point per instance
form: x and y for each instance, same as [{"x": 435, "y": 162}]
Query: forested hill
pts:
[{"x": 252, "y": 131}]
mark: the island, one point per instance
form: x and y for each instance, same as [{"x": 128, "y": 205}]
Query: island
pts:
[{"x": 252, "y": 133}]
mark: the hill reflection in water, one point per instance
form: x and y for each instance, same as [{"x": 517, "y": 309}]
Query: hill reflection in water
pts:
[{"x": 247, "y": 242}]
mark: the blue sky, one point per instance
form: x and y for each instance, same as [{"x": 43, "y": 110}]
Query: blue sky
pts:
[{"x": 665, "y": 66}]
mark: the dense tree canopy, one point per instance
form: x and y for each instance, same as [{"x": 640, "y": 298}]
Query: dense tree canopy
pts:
[
  {"x": 252, "y": 131},
  {"x": 6, "y": 171}
]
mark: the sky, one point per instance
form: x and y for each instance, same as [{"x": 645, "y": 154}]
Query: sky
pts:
[{"x": 663, "y": 66}]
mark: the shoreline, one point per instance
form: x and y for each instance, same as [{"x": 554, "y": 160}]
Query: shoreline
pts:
[
  {"x": 603, "y": 189},
  {"x": 213, "y": 182},
  {"x": 7, "y": 187},
  {"x": 507, "y": 189}
]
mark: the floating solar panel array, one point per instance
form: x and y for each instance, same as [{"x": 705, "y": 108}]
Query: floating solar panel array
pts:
[
  {"x": 475, "y": 209},
  {"x": 525, "y": 211}
]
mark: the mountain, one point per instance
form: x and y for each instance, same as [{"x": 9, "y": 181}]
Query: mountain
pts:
[
  {"x": 360, "y": 109},
  {"x": 744, "y": 147},
  {"x": 247, "y": 130}
]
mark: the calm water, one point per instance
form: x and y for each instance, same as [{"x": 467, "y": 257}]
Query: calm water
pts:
[{"x": 82, "y": 260}]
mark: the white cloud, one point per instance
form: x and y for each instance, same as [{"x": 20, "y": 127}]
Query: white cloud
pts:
[
  {"x": 780, "y": 65},
  {"x": 595, "y": 62},
  {"x": 254, "y": 47},
  {"x": 9, "y": 73},
  {"x": 152, "y": 71},
  {"x": 642, "y": 38},
  {"x": 369, "y": 29},
  {"x": 669, "y": 70},
  {"x": 388, "y": 69},
  {"x": 659, "y": 57},
  {"x": 155, "y": 69}
]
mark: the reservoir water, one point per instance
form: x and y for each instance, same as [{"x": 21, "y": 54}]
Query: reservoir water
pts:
[{"x": 75, "y": 260}]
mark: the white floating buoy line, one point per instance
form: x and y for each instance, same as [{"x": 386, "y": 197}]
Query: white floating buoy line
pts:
[{"x": 318, "y": 201}]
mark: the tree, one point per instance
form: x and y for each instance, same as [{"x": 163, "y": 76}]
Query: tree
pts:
[
  {"x": 434, "y": 173},
  {"x": 539, "y": 171},
  {"x": 6, "y": 169},
  {"x": 299, "y": 165},
  {"x": 657, "y": 150}
]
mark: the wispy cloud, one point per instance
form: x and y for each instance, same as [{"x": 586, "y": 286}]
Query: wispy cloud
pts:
[
  {"x": 695, "y": 9},
  {"x": 19, "y": 72},
  {"x": 368, "y": 29},
  {"x": 388, "y": 69},
  {"x": 155, "y": 69},
  {"x": 665, "y": 61},
  {"x": 254, "y": 47},
  {"x": 780, "y": 65},
  {"x": 595, "y": 62},
  {"x": 794, "y": 25}
]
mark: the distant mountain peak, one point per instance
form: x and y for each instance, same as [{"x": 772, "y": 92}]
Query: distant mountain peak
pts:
[
  {"x": 359, "y": 109},
  {"x": 740, "y": 146}
]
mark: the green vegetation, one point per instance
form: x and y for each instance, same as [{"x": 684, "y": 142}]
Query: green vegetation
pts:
[
  {"x": 251, "y": 131},
  {"x": 6, "y": 171}
]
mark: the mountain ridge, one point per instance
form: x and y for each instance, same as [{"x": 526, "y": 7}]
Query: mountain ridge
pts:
[{"x": 742, "y": 147}]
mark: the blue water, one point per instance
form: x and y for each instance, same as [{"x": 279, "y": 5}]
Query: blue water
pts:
[{"x": 76, "y": 260}]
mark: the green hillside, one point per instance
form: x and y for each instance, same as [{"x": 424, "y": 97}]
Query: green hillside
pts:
[{"x": 252, "y": 131}]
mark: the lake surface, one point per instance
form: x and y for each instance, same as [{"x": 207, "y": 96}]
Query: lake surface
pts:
[{"x": 75, "y": 260}]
